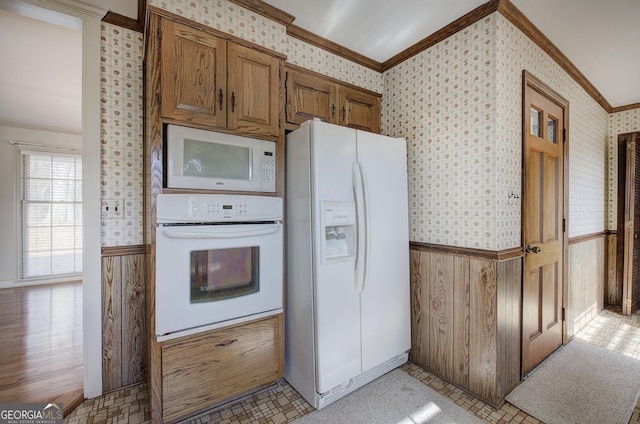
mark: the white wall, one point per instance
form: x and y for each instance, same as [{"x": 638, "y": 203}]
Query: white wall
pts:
[{"x": 9, "y": 171}]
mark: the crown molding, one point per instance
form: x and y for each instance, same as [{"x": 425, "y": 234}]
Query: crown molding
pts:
[
  {"x": 40, "y": 128},
  {"x": 627, "y": 107},
  {"x": 267, "y": 11},
  {"x": 335, "y": 48},
  {"x": 122, "y": 21}
]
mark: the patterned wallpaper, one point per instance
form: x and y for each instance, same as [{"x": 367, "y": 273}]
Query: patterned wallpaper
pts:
[
  {"x": 459, "y": 105},
  {"x": 443, "y": 102},
  {"x": 619, "y": 123},
  {"x": 121, "y": 147},
  {"x": 316, "y": 59}
]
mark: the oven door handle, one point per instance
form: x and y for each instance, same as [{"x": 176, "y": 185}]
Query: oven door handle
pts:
[{"x": 220, "y": 233}]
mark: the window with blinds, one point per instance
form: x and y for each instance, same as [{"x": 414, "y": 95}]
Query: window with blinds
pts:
[{"x": 51, "y": 203}]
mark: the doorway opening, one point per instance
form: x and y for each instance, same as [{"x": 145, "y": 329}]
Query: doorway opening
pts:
[
  {"x": 87, "y": 19},
  {"x": 625, "y": 291}
]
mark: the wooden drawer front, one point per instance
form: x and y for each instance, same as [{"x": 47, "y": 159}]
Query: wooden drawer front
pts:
[{"x": 208, "y": 369}]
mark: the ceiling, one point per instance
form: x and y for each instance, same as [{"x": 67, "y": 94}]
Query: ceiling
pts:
[{"x": 602, "y": 39}]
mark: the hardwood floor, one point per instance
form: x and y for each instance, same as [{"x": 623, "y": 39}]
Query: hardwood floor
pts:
[{"x": 41, "y": 344}]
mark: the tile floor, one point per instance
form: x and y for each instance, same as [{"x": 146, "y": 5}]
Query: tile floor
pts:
[{"x": 281, "y": 404}]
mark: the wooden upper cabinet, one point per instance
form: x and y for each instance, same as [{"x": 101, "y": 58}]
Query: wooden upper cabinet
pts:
[
  {"x": 254, "y": 89},
  {"x": 312, "y": 95},
  {"x": 214, "y": 82},
  {"x": 193, "y": 75},
  {"x": 359, "y": 110}
]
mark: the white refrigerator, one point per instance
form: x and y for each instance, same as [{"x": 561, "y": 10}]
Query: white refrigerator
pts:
[{"x": 347, "y": 317}]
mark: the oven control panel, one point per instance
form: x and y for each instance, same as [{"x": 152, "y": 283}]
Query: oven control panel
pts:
[
  {"x": 203, "y": 208},
  {"x": 213, "y": 208}
]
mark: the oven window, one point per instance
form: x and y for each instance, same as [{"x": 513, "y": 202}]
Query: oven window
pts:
[{"x": 219, "y": 274}]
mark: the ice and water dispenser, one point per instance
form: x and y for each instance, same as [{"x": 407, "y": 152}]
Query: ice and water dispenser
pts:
[{"x": 339, "y": 230}]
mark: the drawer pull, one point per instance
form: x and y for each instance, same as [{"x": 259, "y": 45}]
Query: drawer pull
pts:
[{"x": 227, "y": 343}]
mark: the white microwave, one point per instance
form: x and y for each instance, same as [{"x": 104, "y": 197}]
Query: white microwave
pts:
[{"x": 200, "y": 159}]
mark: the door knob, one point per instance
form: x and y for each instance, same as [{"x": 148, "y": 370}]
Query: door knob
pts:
[{"x": 534, "y": 249}]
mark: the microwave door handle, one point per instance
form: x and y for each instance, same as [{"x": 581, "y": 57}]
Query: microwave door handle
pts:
[
  {"x": 219, "y": 233},
  {"x": 251, "y": 165}
]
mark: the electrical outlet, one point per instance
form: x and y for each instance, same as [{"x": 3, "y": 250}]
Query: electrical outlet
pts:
[{"x": 112, "y": 209}]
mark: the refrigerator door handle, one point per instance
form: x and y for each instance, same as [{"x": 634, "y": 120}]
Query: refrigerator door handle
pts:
[{"x": 362, "y": 251}]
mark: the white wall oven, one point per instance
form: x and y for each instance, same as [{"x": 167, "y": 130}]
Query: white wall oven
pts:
[{"x": 219, "y": 260}]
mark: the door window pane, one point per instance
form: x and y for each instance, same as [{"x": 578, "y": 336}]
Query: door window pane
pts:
[
  {"x": 552, "y": 129},
  {"x": 535, "y": 127}
]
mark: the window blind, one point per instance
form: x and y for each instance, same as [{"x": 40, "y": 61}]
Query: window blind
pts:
[{"x": 51, "y": 203}]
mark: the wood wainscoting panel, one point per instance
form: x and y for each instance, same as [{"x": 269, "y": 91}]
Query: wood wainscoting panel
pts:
[
  {"x": 461, "y": 320},
  {"x": 124, "y": 340},
  {"x": 483, "y": 338},
  {"x": 614, "y": 283},
  {"x": 441, "y": 283},
  {"x": 587, "y": 272},
  {"x": 509, "y": 352},
  {"x": 420, "y": 301},
  {"x": 134, "y": 333},
  {"x": 111, "y": 323},
  {"x": 465, "y": 320}
]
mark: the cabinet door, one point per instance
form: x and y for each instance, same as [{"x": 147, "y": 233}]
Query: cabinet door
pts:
[
  {"x": 359, "y": 109},
  {"x": 205, "y": 370},
  {"x": 254, "y": 89},
  {"x": 310, "y": 97},
  {"x": 193, "y": 75}
]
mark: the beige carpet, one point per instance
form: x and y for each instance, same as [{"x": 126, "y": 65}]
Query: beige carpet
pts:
[
  {"x": 581, "y": 384},
  {"x": 396, "y": 397}
]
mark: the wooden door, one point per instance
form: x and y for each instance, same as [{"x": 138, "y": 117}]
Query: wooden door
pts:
[
  {"x": 543, "y": 235},
  {"x": 631, "y": 267},
  {"x": 254, "y": 91},
  {"x": 310, "y": 97},
  {"x": 193, "y": 75},
  {"x": 359, "y": 109}
]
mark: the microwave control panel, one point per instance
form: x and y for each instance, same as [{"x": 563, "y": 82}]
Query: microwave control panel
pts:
[{"x": 269, "y": 168}]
